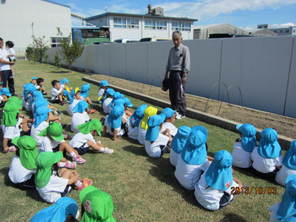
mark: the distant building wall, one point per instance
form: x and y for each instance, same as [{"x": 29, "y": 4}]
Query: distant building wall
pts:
[
  {"x": 258, "y": 73},
  {"x": 21, "y": 19}
]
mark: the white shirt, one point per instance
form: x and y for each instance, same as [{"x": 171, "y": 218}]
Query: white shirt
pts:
[
  {"x": 17, "y": 173},
  {"x": 188, "y": 175},
  {"x": 207, "y": 197},
  {"x": 154, "y": 149},
  {"x": 78, "y": 119},
  {"x": 240, "y": 157},
  {"x": 4, "y": 56},
  {"x": 264, "y": 165},
  {"x": 52, "y": 191},
  {"x": 282, "y": 175},
  {"x": 132, "y": 131},
  {"x": 47, "y": 144},
  {"x": 80, "y": 140},
  {"x": 106, "y": 104},
  {"x": 141, "y": 135},
  {"x": 171, "y": 127},
  {"x": 55, "y": 92},
  {"x": 174, "y": 157},
  {"x": 101, "y": 92},
  {"x": 11, "y": 132},
  {"x": 36, "y": 131},
  {"x": 72, "y": 105}
]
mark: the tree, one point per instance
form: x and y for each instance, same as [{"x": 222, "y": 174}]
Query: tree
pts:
[
  {"x": 37, "y": 51},
  {"x": 71, "y": 50}
]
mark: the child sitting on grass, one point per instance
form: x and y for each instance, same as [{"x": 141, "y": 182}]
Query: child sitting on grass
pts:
[
  {"x": 102, "y": 90},
  {"x": 134, "y": 122},
  {"x": 107, "y": 101},
  {"x": 113, "y": 122},
  {"x": 13, "y": 123},
  {"x": 168, "y": 124},
  {"x": 127, "y": 109},
  {"x": 150, "y": 111},
  {"x": 285, "y": 211},
  {"x": 80, "y": 115},
  {"x": 178, "y": 144},
  {"x": 84, "y": 93},
  {"x": 23, "y": 164},
  {"x": 73, "y": 102},
  {"x": 243, "y": 148},
  {"x": 52, "y": 182},
  {"x": 97, "y": 206},
  {"x": 53, "y": 140},
  {"x": 288, "y": 165},
  {"x": 193, "y": 157},
  {"x": 28, "y": 89},
  {"x": 84, "y": 141},
  {"x": 4, "y": 96},
  {"x": 40, "y": 85},
  {"x": 155, "y": 142},
  {"x": 267, "y": 157},
  {"x": 57, "y": 93},
  {"x": 64, "y": 210},
  {"x": 214, "y": 189}
]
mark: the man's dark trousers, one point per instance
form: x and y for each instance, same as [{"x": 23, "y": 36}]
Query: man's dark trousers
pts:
[
  {"x": 177, "y": 92},
  {"x": 7, "y": 77}
]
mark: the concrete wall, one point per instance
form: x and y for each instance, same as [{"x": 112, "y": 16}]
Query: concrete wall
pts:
[
  {"x": 258, "y": 73},
  {"x": 21, "y": 19}
]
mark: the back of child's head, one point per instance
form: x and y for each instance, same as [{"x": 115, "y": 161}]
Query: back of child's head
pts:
[
  {"x": 54, "y": 82},
  {"x": 9, "y": 44},
  {"x": 39, "y": 80}
]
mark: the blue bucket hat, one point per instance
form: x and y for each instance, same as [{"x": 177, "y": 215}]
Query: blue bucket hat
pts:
[
  {"x": 34, "y": 78},
  {"x": 115, "y": 117},
  {"x": 248, "y": 136},
  {"x": 289, "y": 160},
  {"x": 168, "y": 112},
  {"x": 104, "y": 83},
  {"x": 84, "y": 90},
  {"x": 40, "y": 115},
  {"x": 80, "y": 107},
  {"x": 64, "y": 81},
  {"x": 269, "y": 147},
  {"x": 219, "y": 174},
  {"x": 110, "y": 92},
  {"x": 180, "y": 139},
  {"x": 5, "y": 91},
  {"x": 154, "y": 123},
  {"x": 127, "y": 102},
  {"x": 195, "y": 150},
  {"x": 138, "y": 115}
]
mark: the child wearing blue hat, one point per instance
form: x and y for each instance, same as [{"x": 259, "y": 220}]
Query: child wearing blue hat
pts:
[
  {"x": 155, "y": 142},
  {"x": 80, "y": 115},
  {"x": 170, "y": 118},
  {"x": 243, "y": 148},
  {"x": 288, "y": 165},
  {"x": 133, "y": 122},
  {"x": 102, "y": 90},
  {"x": 28, "y": 89},
  {"x": 57, "y": 93},
  {"x": 178, "y": 144},
  {"x": 64, "y": 210},
  {"x": 267, "y": 157},
  {"x": 213, "y": 190},
  {"x": 127, "y": 109},
  {"x": 113, "y": 122},
  {"x": 4, "y": 95},
  {"x": 73, "y": 102},
  {"x": 84, "y": 93},
  {"x": 107, "y": 101},
  {"x": 285, "y": 211},
  {"x": 193, "y": 158}
]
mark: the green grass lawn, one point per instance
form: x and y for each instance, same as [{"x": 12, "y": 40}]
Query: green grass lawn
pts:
[{"x": 143, "y": 189}]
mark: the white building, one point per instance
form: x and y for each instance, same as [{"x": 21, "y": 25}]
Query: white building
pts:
[
  {"x": 137, "y": 26},
  {"x": 21, "y": 19},
  {"x": 280, "y": 31}
]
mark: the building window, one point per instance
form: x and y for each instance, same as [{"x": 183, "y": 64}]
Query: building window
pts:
[
  {"x": 181, "y": 26},
  {"x": 57, "y": 41},
  {"x": 3, "y": 1},
  {"x": 155, "y": 24},
  {"x": 131, "y": 23}
]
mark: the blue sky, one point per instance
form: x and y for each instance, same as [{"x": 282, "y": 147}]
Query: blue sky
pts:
[{"x": 243, "y": 13}]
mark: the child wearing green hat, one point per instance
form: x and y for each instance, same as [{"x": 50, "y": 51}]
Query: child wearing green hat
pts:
[
  {"x": 53, "y": 140},
  {"x": 97, "y": 206},
  {"x": 13, "y": 122},
  {"x": 23, "y": 164},
  {"x": 52, "y": 183},
  {"x": 84, "y": 140}
]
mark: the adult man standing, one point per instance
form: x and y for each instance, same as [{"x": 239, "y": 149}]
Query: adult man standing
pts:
[
  {"x": 5, "y": 69},
  {"x": 177, "y": 70}
]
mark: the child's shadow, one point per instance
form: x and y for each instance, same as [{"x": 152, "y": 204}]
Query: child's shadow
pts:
[
  {"x": 32, "y": 193},
  {"x": 230, "y": 217},
  {"x": 137, "y": 150}
]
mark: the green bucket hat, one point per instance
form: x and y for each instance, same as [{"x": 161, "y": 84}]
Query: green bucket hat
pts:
[
  {"x": 11, "y": 110},
  {"x": 97, "y": 204},
  {"x": 54, "y": 130},
  {"x": 44, "y": 162},
  {"x": 90, "y": 126},
  {"x": 28, "y": 151}
]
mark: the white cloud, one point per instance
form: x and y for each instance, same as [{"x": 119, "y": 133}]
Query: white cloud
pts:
[{"x": 212, "y": 8}]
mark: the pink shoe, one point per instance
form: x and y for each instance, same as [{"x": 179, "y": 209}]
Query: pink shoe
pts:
[{"x": 79, "y": 160}]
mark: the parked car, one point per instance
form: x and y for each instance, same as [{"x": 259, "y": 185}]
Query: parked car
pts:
[{"x": 124, "y": 40}]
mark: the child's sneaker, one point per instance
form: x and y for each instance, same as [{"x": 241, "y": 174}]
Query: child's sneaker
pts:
[
  {"x": 106, "y": 150},
  {"x": 70, "y": 165},
  {"x": 79, "y": 160}
]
